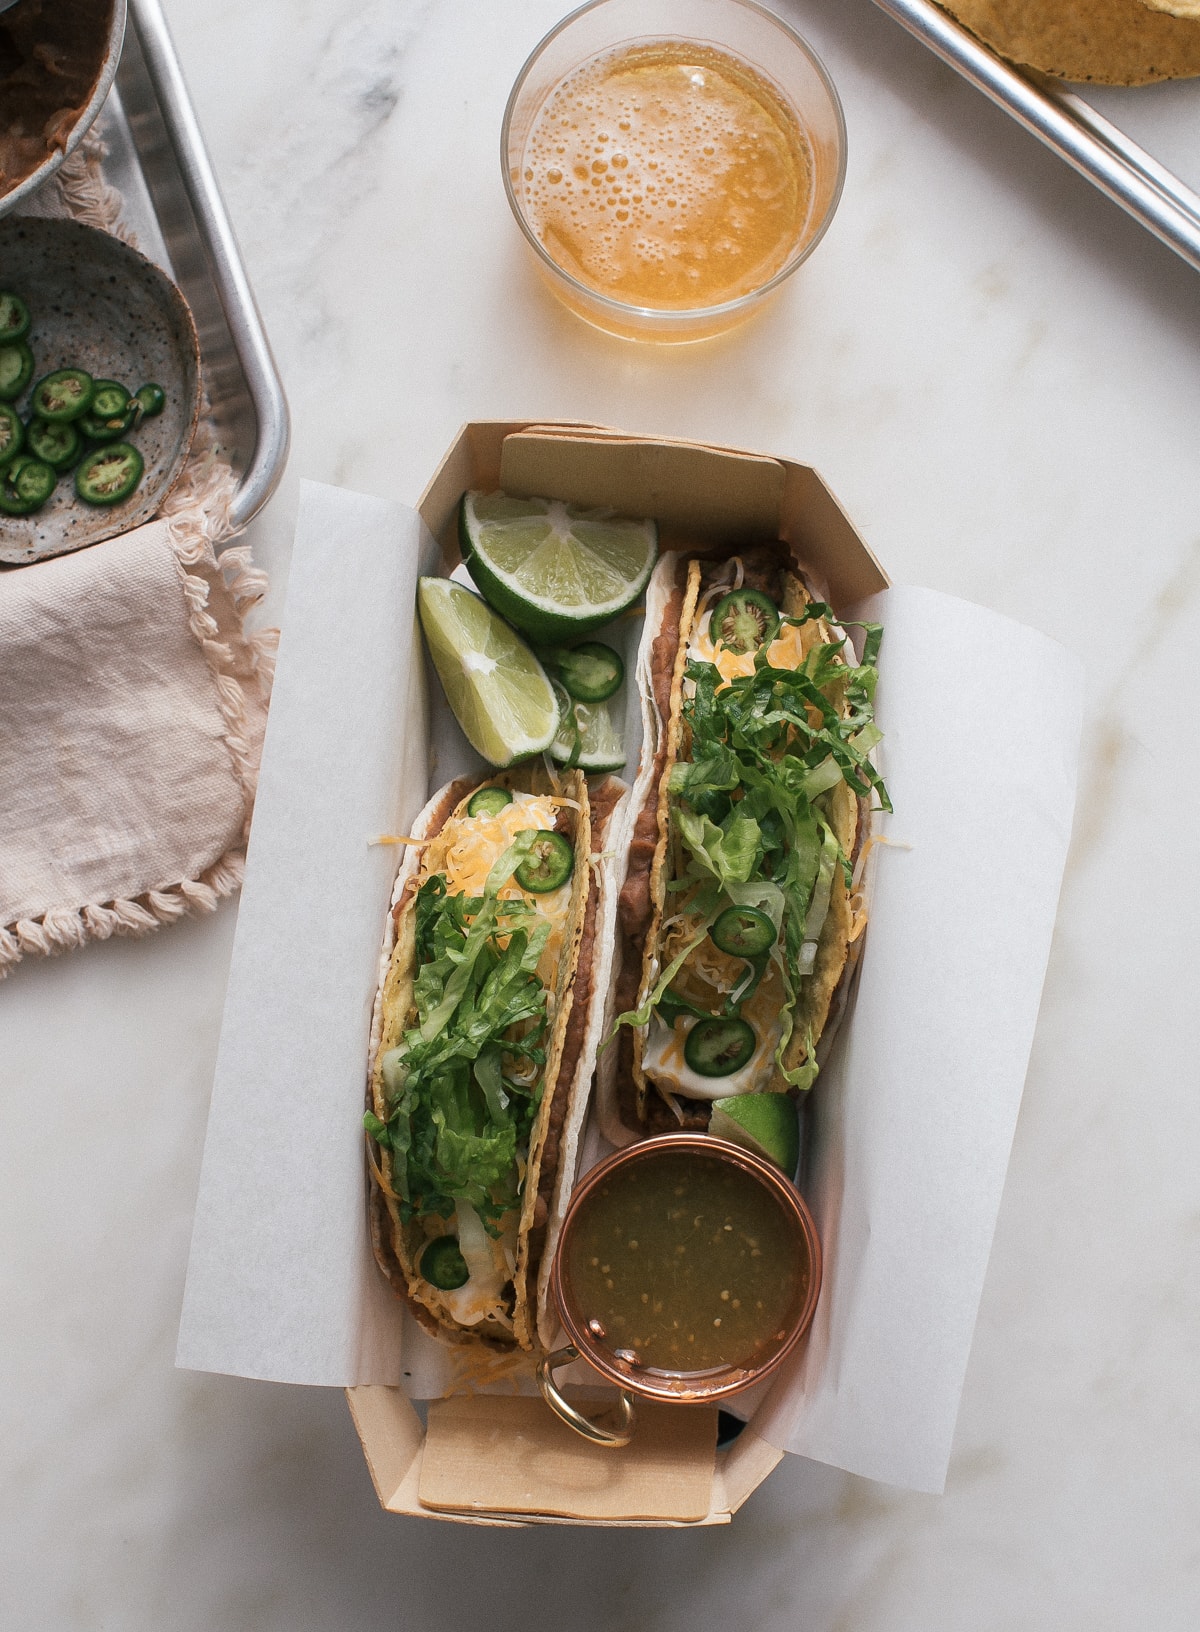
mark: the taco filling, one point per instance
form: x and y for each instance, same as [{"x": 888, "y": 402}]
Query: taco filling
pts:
[
  {"x": 474, "y": 1009},
  {"x": 763, "y": 786}
]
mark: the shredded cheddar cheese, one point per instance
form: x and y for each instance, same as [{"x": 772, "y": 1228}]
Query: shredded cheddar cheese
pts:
[
  {"x": 786, "y": 651},
  {"x": 468, "y": 847},
  {"x": 478, "y": 1369}
]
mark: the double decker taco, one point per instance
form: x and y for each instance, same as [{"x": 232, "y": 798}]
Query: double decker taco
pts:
[
  {"x": 739, "y": 920},
  {"x": 482, "y": 1045}
]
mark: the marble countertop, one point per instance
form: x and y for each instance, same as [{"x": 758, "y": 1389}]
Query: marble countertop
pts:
[{"x": 999, "y": 375}]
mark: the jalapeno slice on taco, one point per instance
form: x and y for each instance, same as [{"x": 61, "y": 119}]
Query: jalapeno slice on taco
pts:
[
  {"x": 483, "y": 1041},
  {"x": 738, "y": 917}
]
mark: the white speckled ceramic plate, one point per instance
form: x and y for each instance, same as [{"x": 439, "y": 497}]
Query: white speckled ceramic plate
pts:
[{"x": 99, "y": 305}]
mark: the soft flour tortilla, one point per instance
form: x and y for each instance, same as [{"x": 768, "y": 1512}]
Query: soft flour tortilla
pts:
[
  {"x": 397, "y": 1244},
  {"x": 1110, "y": 42},
  {"x": 662, "y": 744}
]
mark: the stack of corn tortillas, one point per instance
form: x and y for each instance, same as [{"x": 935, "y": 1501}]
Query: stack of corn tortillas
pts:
[{"x": 1111, "y": 42}]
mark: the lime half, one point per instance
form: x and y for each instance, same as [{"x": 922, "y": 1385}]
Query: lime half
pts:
[
  {"x": 764, "y": 1123},
  {"x": 497, "y": 688},
  {"x": 554, "y": 569},
  {"x": 601, "y": 746}
]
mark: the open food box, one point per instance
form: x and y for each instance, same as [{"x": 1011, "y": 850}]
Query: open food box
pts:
[{"x": 910, "y": 1121}]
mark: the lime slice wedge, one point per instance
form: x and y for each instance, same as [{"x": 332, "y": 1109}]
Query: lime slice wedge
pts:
[
  {"x": 601, "y": 746},
  {"x": 497, "y": 688},
  {"x": 764, "y": 1123},
  {"x": 554, "y": 569}
]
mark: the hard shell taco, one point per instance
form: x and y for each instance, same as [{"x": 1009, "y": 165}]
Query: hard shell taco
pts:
[
  {"x": 739, "y": 915},
  {"x": 482, "y": 1046}
]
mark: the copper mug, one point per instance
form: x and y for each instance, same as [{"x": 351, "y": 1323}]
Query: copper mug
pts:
[{"x": 586, "y": 1338}]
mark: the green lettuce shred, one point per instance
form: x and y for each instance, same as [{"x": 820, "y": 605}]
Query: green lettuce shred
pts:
[
  {"x": 457, "y": 1118},
  {"x": 749, "y": 809}
]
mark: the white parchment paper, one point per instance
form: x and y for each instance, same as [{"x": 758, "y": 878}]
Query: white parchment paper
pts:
[
  {"x": 281, "y": 1281},
  {"x": 914, "y": 1116},
  {"x": 914, "y": 1113}
]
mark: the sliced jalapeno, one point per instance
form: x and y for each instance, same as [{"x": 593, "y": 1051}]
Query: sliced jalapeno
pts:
[
  {"x": 743, "y": 931},
  {"x": 549, "y": 864},
  {"x": 718, "y": 1048},
  {"x": 12, "y": 434},
  {"x": 58, "y": 446},
  {"x": 591, "y": 672},
  {"x": 98, "y": 429},
  {"x": 16, "y": 369},
  {"x": 109, "y": 399},
  {"x": 110, "y": 414},
  {"x": 25, "y": 485},
  {"x": 63, "y": 395},
  {"x": 443, "y": 1265},
  {"x": 744, "y": 620},
  {"x": 14, "y": 317},
  {"x": 151, "y": 399},
  {"x": 487, "y": 801},
  {"x": 109, "y": 474}
]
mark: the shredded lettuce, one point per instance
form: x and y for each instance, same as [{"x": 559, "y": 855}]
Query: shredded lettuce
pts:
[
  {"x": 458, "y": 1118},
  {"x": 641, "y": 1017},
  {"x": 818, "y": 906},
  {"x": 727, "y": 852},
  {"x": 749, "y": 810}
]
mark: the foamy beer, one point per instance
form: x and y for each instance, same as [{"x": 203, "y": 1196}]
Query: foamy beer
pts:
[{"x": 671, "y": 164}]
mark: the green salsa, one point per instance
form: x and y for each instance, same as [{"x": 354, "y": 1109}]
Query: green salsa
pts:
[{"x": 687, "y": 1260}]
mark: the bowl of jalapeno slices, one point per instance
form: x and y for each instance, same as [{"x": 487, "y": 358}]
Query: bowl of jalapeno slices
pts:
[{"x": 100, "y": 388}]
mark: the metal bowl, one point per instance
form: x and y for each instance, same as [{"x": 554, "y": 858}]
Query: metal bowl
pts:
[
  {"x": 690, "y": 1387},
  {"x": 99, "y": 305},
  {"x": 100, "y": 90}
]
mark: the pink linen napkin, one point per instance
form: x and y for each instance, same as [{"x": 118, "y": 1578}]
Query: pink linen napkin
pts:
[
  {"x": 132, "y": 699},
  {"x": 132, "y": 707}
]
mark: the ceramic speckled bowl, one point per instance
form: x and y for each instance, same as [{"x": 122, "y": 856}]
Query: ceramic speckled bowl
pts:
[{"x": 99, "y": 305}]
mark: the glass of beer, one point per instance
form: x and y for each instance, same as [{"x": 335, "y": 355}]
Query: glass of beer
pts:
[{"x": 672, "y": 162}]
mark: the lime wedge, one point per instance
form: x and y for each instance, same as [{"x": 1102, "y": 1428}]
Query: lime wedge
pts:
[
  {"x": 497, "y": 688},
  {"x": 555, "y": 570},
  {"x": 764, "y": 1123},
  {"x": 601, "y": 746}
]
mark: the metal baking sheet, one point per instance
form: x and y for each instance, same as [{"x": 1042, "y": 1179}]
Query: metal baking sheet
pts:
[
  {"x": 1096, "y": 135},
  {"x": 158, "y": 161}
]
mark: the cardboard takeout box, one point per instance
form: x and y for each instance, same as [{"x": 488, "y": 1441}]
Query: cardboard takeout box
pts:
[
  {"x": 497, "y": 1456},
  {"x": 912, "y": 1117}
]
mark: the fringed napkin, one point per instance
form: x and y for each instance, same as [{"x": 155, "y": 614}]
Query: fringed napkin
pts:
[
  {"x": 132, "y": 706},
  {"x": 132, "y": 702}
]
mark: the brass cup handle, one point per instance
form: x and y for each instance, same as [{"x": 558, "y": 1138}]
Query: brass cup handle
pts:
[{"x": 612, "y": 1438}]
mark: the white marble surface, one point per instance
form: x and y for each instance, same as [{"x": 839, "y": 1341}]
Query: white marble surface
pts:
[{"x": 999, "y": 376}]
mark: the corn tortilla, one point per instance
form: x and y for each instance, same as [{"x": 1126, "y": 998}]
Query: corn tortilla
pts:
[
  {"x": 1109, "y": 42},
  {"x": 398, "y": 1245},
  {"x": 1177, "y": 8},
  {"x": 815, "y": 1000}
]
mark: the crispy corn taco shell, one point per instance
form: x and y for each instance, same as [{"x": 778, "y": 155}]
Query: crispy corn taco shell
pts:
[
  {"x": 1110, "y": 42},
  {"x": 628, "y": 1103},
  {"x": 575, "y": 1018}
]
